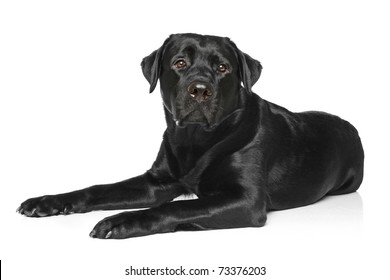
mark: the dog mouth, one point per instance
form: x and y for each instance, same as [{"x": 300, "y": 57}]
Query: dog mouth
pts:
[
  {"x": 193, "y": 117},
  {"x": 188, "y": 110},
  {"x": 197, "y": 114}
]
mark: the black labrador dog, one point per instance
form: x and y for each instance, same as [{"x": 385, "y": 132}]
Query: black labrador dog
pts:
[{"x": 240, "y": 154}]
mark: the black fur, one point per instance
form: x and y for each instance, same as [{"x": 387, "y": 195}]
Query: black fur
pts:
[{"x": 241, "y": 155}]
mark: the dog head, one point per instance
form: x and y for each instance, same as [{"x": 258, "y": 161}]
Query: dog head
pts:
[{"x": 200, "y": 77}]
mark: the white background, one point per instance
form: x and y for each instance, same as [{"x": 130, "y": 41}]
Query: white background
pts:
[{"x": 75, "y": 111}]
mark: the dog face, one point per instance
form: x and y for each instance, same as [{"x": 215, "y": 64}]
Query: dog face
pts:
[{"x": 200, "y": 77}]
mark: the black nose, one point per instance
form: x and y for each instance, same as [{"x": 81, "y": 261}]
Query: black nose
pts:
[{"x": 199, "y": 91}]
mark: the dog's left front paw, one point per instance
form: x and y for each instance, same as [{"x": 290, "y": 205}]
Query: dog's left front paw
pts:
[{"x": 123, "y": 225}]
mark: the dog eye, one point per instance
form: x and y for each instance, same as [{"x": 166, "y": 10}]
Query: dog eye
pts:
[
  {"x": 222, "y": 68},
  {"x": 180, "y": 63}
]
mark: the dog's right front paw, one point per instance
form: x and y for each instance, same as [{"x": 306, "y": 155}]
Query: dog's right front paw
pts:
[{"x": 43, "y": 206}]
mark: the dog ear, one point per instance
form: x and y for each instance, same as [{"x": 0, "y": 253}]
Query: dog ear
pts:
[
  {"x": 151, "y": 66},
  {"x": 250, "y": 69}
]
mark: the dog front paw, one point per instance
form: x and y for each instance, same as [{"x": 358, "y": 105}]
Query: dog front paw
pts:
[
  {"x": 43, "y": 206},
  {"x": 124, "y": 225}
]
